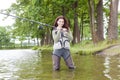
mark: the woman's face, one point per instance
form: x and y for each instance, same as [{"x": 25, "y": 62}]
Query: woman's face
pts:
[{"x": 60, "y": 22}]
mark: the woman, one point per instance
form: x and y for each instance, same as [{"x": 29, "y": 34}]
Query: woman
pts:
[{"x": 62, "y": 36}]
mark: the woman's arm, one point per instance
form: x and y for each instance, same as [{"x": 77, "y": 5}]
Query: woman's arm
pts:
[{"x": 56, "y": 35}]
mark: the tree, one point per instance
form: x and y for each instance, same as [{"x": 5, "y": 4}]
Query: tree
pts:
[
  {"x": 96, "y": 20},
  {"x": 4, "y": 37},
  {"x": 99, "y": 19},
  {"x": 76, "y": 30},
  {"x": 113, "y": 21},
  {"x": 92, "y": 20},
  {"x": 86, "y": 23}
]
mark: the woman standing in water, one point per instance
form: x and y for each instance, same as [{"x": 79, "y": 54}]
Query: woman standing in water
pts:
[{"x": 62, "y": 37}]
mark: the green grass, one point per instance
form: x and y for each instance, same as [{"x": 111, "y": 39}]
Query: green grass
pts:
[
  {"x": 83, "y": 48},
  {"x": 88, "y": 48},
  {"x": 46, "y": 48}
]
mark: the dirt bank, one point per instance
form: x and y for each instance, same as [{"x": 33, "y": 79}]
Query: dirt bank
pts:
[{"x": 110, "y": 51}]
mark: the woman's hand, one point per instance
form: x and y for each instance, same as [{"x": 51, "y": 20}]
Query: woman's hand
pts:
[
  {"x": 59, "y": 28},
  {"x": 64, "y": 29}
]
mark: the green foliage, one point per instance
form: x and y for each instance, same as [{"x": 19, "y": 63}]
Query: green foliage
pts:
[
  {"x": 106, "y": 8},
  {"x": 4, "y": 37},
  {"x": 88, "y": 48},
  {"x": 46, "y": 11},
  {"x": 35, "y": 48}
]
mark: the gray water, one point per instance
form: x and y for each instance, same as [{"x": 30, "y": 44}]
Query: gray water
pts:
[{"x": 26, "y": 64}]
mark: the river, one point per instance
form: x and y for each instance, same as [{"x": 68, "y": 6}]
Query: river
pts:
[{"x": 26, "y": 64}]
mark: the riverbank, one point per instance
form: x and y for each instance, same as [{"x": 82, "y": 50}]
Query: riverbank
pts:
[
  {"x": 102, "y": 48},
  {"x": 88, "y": 48},
  {"x": 110, "y": 51}
]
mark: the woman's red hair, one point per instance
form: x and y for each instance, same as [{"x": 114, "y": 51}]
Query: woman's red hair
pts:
[{"x": 66, "y": 25}]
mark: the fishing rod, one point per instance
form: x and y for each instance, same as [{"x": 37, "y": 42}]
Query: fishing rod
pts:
[{"x": 40, "y": 27}]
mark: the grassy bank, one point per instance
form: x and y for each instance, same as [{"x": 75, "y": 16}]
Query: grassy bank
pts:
[
  {"x": 88, "y": 48},
  {"x": 83, "y": 48}
]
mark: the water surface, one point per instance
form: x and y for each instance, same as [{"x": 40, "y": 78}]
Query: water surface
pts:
[{"x": 26, "y": 64}]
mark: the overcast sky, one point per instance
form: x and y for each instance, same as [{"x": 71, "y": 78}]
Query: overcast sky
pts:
[{"x": 4, "y": 4}]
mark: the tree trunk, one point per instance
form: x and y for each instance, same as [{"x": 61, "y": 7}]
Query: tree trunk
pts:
[
  {"x": 113, "y": 21},
  {"x": 42, "y": 41},
  {"x": 76, "y": 31},
  {"x": 81, "y": 26},
  {"x": 38, "y": 41},
  {"x": 100, "y": 21},
  {"x": 92, "y": 21},
  {"x": 47, "y": 37}
]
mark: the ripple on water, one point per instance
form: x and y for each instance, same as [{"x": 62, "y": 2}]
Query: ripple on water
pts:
[
  {"x": 107, "y": 68},
  {"x": 112, "y": 67},
  {"x": 9, "y": 62},
  {"x": 118, "y": 66}
]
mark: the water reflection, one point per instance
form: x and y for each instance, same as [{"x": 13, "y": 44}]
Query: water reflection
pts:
[
  {"x": 10, "y": 61},
  {"x": 107, "y": 68},
  {"x": 29, "y": 65},
  {"x": 112, "y": 67},
  {"x": 58, "y": 75}
]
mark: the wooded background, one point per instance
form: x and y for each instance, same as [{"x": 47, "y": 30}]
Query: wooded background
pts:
[{"x": 95, "y": 20}]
